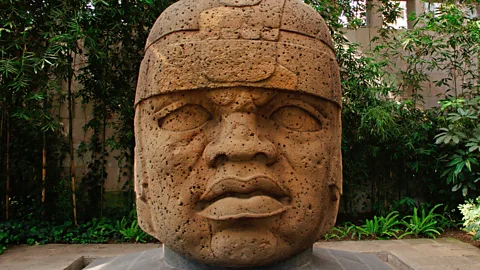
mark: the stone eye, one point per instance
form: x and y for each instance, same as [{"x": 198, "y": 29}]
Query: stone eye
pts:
[
  {"x": 295, "y": 118},
  {"x": 185, "y": 118}
]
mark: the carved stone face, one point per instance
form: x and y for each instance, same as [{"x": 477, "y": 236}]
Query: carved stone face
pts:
[
  {"x": 237, "y": 176},
  {"x": 237, "y": 127}
]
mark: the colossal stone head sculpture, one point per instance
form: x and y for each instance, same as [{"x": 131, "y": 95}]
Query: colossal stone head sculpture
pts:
[{"x": 237, "y": 125}]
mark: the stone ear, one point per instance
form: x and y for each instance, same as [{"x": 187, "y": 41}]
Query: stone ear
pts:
[
  {"x": 331, "y": 211},
  {"x": 144, "y": 213},
  {"x": 142, "y": 201},
  {"x": 334, "y": 185},
  {"x": 335, "y": 178},
  {"x": 145, "y": 218},
  {"x": 334, "y": 193}
]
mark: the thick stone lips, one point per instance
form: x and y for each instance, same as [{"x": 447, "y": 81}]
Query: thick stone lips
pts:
[
  {"x": 234, "y": 198},
  {"x": 235, "y": 208}
]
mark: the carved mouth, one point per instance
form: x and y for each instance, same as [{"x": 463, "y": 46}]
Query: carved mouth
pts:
[{"x": 234, "y": 198}]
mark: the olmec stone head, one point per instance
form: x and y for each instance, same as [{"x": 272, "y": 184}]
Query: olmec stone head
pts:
[{"x": 237, "y": 126}]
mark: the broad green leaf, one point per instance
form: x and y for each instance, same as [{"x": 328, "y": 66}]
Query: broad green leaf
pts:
[
  {"x": 467, "y": 163},
  {"x": 447, "y": 138},
  {"x": 459, "y": 167},
  {"x": 473, "y": 148},
  {"x": 455, "y": 162},
  {"x": 456, "y": 187},
  {"x": 440, "y": 139}
]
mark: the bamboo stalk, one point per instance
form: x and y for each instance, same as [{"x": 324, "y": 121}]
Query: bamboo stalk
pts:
[
  {"x": 103, "y": 160},
  {"x": 70, "y": 139},
  {"x": 44, "y": 158},
  {"x": 44, "y": 167},
  {"x": 2, "y": 121},
  {"x": 478, "y": 55},
  {"x": 7, "y": 171}
]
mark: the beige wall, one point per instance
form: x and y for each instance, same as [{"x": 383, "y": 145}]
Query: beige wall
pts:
[
  {"x": 363, "y": 36},
  {"x": 82, "y": 113}
]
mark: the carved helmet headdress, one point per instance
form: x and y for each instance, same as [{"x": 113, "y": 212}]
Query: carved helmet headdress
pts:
[{"x": 205, "y": 44}]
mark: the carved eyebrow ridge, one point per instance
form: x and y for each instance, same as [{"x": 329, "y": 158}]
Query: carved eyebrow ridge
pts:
[
  {"x": 258, "y": 97},
  {"x": 301, "y": 104},
  {"x": 170, "y": 108}
]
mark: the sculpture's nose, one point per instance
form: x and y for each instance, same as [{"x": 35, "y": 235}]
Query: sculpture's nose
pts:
[{"x": 238, "y": 140}]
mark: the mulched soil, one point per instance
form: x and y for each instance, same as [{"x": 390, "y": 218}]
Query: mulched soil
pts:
[{"x": 462, "y": 236}]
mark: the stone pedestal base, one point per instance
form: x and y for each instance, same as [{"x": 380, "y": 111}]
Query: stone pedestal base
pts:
[{"x": 311, "y": 259}]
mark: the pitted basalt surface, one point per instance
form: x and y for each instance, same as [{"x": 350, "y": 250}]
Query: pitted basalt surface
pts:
[
  {"x": 265, "y": 35},
  {"x": 238, "y": 131}
]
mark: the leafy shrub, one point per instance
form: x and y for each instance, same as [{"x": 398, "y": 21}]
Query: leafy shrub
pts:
[
  {"x": 381, "y": 227},
  {"x": 377, "y": 228},
  {"x": 460, "y": 137},
  {"x": 447, "y": 42},
  {"x": 421, "y": 223},
  {"x": 471, "y": 217},
  {"x": 4, "y": 238},
  {"x": 133, "y": 233},
  {"x": 102, "y": 230},
  {"x": 129, "y": 230},
  {"x": 348, "y": 229}
]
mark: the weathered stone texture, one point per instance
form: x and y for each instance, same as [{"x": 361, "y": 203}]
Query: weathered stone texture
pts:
[
  {"x": 238, "y": 131},
  {"x": 210, "y": 44}
]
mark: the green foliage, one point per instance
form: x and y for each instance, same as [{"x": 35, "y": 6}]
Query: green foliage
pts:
[
  {"x": 103, "y": 230},
  {"x": 391, "y": 147},
  {"x": 404, "y": 205},
  {"x": 40, "y": 47},
  {"x": 346, "y": 230},
  {"x": 109, "y": 77},
  {"x": 381, "y": 227},
  {"x": 446, "y": 42},
  {"x": 133, "y": 233},
  {"x": 31, "y": 58},
  {"x": 129, "y": 229},
  {"x": 377, "y": 228},
  {"x": 388, "y": 149},
  {"x": 471, "y": 217},
  {"x": 421, "y": 223},
  {"x": 460, "y": 138}
]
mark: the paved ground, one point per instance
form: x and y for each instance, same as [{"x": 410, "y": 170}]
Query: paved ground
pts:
[{"x": 418, "y": 254}]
